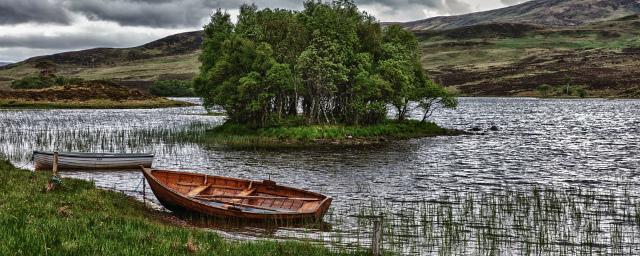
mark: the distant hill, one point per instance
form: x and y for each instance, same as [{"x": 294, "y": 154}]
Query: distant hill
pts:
[
  {"x": 514, "y": 59},
  {"x": 172, "y": 57},
  {"x": 4, "y": 63},
  {"x": 556, "y": 13},
  {"x": 178, "y": 44},
  {"x": 592, "y": 44}
]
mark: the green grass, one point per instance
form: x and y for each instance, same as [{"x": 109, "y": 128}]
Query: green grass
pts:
[
  {"x": 236, "y": 135},
  {"x": 79, "y": 219},
  {"x": 93, "y": 104}
]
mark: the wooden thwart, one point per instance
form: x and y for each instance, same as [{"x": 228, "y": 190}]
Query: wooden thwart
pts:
[
  {"x": 211, "y": 185},
  {"x": 260, "y": 197},
  {"x": 245, "y": 192},
  {"x": 198, "y": 190}
]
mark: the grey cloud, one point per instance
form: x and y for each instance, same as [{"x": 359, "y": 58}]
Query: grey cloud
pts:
[
  {"x": 456, "y": 7},
  {"x": 20, "y": 47},
  {"x": 39, "y": 11},
  {"x": 409, "y": 7},
  {"x": 162, "y": 13},
  {"x": 183, "y": 13},
  {"x": 512, "y": 2},
  {"x": 75, "y": 41}
]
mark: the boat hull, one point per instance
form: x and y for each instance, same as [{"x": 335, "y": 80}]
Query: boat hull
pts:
[
  {"x": 89, "y": 161},
  {"x": 178, "y": 202}
]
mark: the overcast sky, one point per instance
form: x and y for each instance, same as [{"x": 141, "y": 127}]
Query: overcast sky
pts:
[{"x": 36, "y": 27}]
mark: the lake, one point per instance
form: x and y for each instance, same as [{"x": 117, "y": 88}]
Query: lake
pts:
[{"x": 475, "y": 192}]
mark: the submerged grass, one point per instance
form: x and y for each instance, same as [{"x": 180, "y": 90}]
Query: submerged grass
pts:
[
  {"x": 536, "y": 221},
  {"x": 79, "y": 219},
  {"x": 92, "y": 104},
  {"x": 237, "y": 135}
]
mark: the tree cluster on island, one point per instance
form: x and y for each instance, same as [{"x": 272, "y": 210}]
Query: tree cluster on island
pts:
[{"x": 331, "y": 61}]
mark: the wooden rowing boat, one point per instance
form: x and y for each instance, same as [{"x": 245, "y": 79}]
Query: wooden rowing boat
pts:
[
  {"x": 43, "y": 160},
  {"x": 234, "y": 198}
]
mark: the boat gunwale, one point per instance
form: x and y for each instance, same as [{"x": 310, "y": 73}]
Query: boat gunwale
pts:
[{"x": 95, "y": 155}]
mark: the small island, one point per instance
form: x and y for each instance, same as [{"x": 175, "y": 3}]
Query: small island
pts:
[
  {"x": 241, "y": 136},
  {"x": 325, "y": 75}
]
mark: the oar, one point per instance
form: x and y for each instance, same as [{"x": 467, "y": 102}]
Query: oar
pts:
[{"x": 259, "y": 197}]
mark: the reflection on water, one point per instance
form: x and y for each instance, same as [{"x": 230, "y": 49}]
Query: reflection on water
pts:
[{"x": 564, "y": 144}]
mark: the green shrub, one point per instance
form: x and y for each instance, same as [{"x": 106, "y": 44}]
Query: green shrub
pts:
[
  {"x": 61, "y": 80},
  {"x": 172, "y": 88},
  {"x": 32, "y": 82},
  {"x": 582, "y": 93},
  {"x": 544, "y": 90},
  {"x": 39, "y": 82}
]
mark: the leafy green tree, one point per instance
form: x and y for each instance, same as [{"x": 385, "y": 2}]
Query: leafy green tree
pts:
[
  {"x": 215, "y": 34},
  {"x": 432, "y": 96},
  {"x": 247, "y": 25},
  {"x": 400, "y": 66},
  {"x": 280, "y": 79},
  {"x": 321, "y": 75},
  {"x": 330, "y": 59}
]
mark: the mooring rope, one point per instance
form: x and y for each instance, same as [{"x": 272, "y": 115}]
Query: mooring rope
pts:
[
  {"x": 139, "y": 183},
  {"x": 25, "y": 164}
]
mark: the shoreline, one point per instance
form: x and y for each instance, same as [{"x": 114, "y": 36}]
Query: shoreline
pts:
[
  {"x": 93, "y": 104},
  {"x": 239, "y": 136},
  {"x": 550, "y": 98},
  {"x": 77, "y": 218}
]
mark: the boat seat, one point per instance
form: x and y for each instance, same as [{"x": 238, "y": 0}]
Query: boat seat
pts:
[
  {"x": 245, "y": 192},
  {"x": 308, "y": 207},
  {"x": 198, "y": 190}
]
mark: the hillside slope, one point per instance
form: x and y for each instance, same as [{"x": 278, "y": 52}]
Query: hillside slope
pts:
[
  {"x": 557, "y": 13},
  {"x": 178, "y": 44},
  {"x": 172, "y": 57},
  {"x": 514, "y": 59}
]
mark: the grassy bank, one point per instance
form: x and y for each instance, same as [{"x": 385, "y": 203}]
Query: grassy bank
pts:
[
  {"x": 79, "y": 219},
  {"x": 235, "y": 135},
  {"x": 95, "y": 104}
]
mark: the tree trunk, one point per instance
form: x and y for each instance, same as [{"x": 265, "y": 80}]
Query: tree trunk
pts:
[{"x": 404, "y": 110}]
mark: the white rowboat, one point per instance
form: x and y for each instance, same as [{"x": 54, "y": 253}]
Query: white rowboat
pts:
[{"x": 43, "y": 160}]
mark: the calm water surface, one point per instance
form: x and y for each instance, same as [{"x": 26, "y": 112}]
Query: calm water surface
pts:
[{"x": 589, "y": 144}]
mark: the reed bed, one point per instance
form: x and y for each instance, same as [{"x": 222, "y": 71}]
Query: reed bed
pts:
[
  {"x": 539, "y": 221},
  {"x": 95, "y": 131}
]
